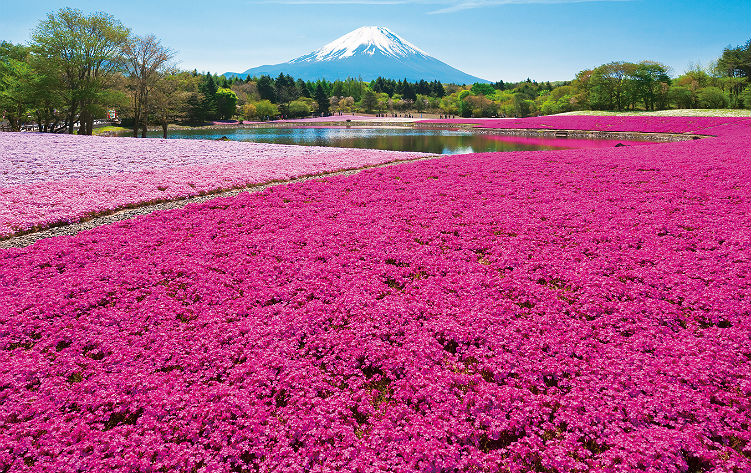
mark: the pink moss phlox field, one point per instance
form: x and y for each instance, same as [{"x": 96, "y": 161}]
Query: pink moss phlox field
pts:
[
  {"x": 562, "y": 311},
  {"x": 705, "y": 125},
  {"x": 53, "y": 179},
  {"x": 330, "y": 119}
]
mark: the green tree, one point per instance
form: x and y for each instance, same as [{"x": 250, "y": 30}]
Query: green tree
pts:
[
  {"x": 84, "y": 52},
  {"x": 712, "y": 97},
  {"x": 482, "y": 89},
  {"x": 746, "y": 96},
  {"x": 266, "y": 89},
  {"x": 681, "y": 97},
  {"x": 522, "y": 106},
  {"x": 299, "y": 108},
  {"x": 170, "y": 97},
  {"x": 322, "y": 99},
  {"x": 422, "y": 103},
  {"x": 354, "y": 88},
  {"x": 207, "y": 88},
  {"x": 369, "y": 101},
  {"x": 226, "y": 103},
  {"x": 337, "y": 89},
  {"x": 16, "y": 77},
  {"x": 735, "y": 62},
  {"x": 265, "y": 110},
  {"x": 608, "y": 85},
  {"x": 302, "y": 88},
  {"x": 652, "y": 83}
]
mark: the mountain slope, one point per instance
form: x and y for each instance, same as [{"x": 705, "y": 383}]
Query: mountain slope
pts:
[{"x": 367, "y": 52}]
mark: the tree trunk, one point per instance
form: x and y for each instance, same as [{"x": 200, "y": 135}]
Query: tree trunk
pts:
[
  {"x": 164, "y": 128},
  {"x": 83, "y": 122},
  {"x": 145, "y": 121},
  {"x": 136, "y": 122}
]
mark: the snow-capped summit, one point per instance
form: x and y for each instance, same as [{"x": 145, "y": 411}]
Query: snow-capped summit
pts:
[
  {"x": 367, "y": 52},
  {"x": 367, "y": 40}
]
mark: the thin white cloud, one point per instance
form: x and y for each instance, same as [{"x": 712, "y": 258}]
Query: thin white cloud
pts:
[
  {"x": 444, "y": 6},
  {"x": 471, "y": 4}
]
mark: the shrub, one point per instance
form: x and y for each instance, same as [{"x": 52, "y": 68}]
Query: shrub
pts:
[{"x": 712, "y": 97}]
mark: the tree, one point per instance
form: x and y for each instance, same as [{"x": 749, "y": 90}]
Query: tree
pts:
[
  {"x": 522, "y": 106},
  {"x": 322, "y": 99},
  {"x": 345, "y": 104},
  {"x": 421, "y": 104},
  {"x": 482, "y": 89},
  {"x": 207, "y": 88},
  {"x": 437, "y": 89},
  {"x": 681, "y": 97},
  {"x": 369, "y": 101},
  {"x": 266, "y": 89},
  {"x": 84, "y": 52},
  {"x": 651, "y": 82},
  {"x": 337, "y": 88},
  {"x": 299, "y": 108},
  {"x": 286, "y": 89},
  {"x": 226, "y": 103},
  {"x": 302, "y": 88},
  {"x": 145, "y": 60},
  {"x": 608, "y": 85},
  {"x": 735, "y": 62},
  {"x": 171, "y": 93},
  {"x": 480, "y": 106},
  {"x": 746, "y": 97},
  {"x": 712, "y": 97},
  {"x": 15, "y": 79},
  {"x": 266, "y": 110},
  {"x": 249, "y": 111},
  {"x": 354, "y": 88}
]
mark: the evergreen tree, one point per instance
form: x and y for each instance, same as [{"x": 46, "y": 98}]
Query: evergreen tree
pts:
[
  {"x": 266, "y": 89},
  {"x": 338, "y": 88},
  {"x": 302, "y": 88},
  {"x": 369, "y": 101},
  {"x": 322, "y": 99},
  {"x": 207, "y": 87},
  {"x": 437, "y": 89}
]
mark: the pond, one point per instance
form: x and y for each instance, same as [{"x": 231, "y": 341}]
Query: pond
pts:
[{"x": 397, "y": 139}]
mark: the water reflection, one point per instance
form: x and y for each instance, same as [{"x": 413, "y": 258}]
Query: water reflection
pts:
[{"x": 397, "y": 139}]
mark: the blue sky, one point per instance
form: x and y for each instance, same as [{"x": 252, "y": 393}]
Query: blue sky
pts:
[{"x": 494, "y": 39}]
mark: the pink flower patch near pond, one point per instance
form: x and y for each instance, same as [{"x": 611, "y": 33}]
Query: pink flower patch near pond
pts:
[
  {"x": 329, "y": 119},
  {"x": 706, "y": 125},
  {"x": 52, "y": 179},
  {"x": 578, "y": 310},
  {"x": 567, "y": 143}
]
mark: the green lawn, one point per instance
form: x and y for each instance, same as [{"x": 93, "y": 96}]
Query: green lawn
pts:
[{"x": 112, "y": 130}]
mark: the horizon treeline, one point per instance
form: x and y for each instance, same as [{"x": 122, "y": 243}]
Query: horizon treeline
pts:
[{"x": 77, "y": 67}]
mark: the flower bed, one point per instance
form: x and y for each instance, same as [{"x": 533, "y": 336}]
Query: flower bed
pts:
[
  {"x": 708, "y": 125},
  {"x": 579, "y": 310},
  {"x": 52, "y": 179}
]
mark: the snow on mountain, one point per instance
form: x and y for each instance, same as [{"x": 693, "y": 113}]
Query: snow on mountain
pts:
[
  {"x": 366, "y": 40},
  {"x": 367, "y": 53}
]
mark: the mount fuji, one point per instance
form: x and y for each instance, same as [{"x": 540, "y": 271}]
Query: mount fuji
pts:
[{"x": 367, "y": 52}]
